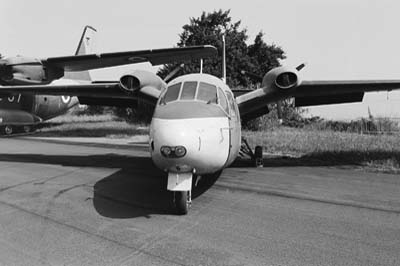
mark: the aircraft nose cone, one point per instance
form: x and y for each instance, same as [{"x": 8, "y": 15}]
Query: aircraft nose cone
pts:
[{"x": 205, "y": 142}]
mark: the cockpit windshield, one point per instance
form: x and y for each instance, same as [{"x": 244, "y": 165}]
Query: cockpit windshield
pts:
[
  {"x": 207, "y": 92},
  {"x": 172, "y": 93},
  {"x": 189, "y": 90},
  {"x": 195, "y": 91}
]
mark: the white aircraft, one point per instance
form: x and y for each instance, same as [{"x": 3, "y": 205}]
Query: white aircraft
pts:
[{"x": 196, "y": 129}]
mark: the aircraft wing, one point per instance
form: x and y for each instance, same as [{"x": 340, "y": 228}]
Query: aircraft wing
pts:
[
  {"x": 306, "y": 93},
  {"x": 96, "y": 93},
  {"x": 109, "y": 89},
  {"x": 336, "y": 91},
  {"x": 155, "y": 57}
]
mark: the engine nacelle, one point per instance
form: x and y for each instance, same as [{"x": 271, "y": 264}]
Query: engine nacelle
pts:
[
  {"x": 281, "y": 78},
  {"x": 132, "y": 83},
  {"x": 21, "y": 70}
]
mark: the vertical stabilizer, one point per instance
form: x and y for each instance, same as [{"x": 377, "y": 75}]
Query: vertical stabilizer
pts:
[{"x": 85, "y": 46}]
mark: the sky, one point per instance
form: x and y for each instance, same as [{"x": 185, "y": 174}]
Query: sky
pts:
[{"x": 338, "y": 39}]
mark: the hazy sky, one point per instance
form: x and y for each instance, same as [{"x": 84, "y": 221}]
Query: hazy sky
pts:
[{"x": 339, "y": 39}]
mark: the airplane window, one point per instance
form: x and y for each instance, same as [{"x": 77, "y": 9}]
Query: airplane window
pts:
[
  {"x": 172, "y": 93},
  {"x": 222, "y": 100},
  {"x": 207, "y": 92},
  {"x": 189, "y": 90}
]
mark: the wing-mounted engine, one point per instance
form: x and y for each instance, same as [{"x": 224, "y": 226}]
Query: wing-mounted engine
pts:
[
  {"x": 280, "y": 80},
  {"x": 141, "y": 81},
  {"x": 21, "y": 70},
  {"x": 138, "y": 87},
  {"x": 277, "y": 84}
]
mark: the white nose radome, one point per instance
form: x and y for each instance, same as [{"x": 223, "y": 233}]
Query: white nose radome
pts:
[{"x": 198, "y": 145}]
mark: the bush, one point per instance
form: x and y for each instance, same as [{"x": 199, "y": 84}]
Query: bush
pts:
[{"x": 361, "y": 126}]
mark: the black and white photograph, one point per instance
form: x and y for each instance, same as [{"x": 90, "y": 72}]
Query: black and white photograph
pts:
[{"x": 200, "y": 133}]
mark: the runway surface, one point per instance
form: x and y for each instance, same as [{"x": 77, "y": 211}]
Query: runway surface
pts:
[{"x": 82, "y": 204}]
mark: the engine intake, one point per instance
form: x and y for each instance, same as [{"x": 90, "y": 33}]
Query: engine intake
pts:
[
  {"x": 131, "y": 83},
  {"x": 286, "y": 80},
  {"x": 280, "y": 79}
]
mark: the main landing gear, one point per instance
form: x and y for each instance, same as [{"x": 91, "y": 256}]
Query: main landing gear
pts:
[{"x": 256, "y": 156}]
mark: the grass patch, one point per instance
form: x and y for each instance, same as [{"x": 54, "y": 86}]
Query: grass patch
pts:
[
  {"x": 302, "y": 141},
  {"x": 310, "y": 147},
  {"x": 319, "y": 147},
  {"x": 90, "y": 126}
]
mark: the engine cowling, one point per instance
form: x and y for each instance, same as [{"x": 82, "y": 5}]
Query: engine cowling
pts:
[
  {"x": 281, "y": 78},
  {"x": 21, "y": 70},
  {"x": 138, "y": 79}
]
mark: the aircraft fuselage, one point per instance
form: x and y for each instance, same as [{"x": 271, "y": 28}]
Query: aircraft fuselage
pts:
[
  {"x": 28, "y": 109},
  {"x": 195, "y": 128}
]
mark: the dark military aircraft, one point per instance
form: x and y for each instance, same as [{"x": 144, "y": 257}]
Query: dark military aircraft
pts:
[
  {"x": 195, "y": 129},
  {"x": 23, "y": 111}
]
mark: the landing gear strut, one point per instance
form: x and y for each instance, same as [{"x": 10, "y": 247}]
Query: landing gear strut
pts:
[
  {"x": 181, "y": 185},
  {"x": 182, "y": 201},
  {"x": 256, "y": 156}
]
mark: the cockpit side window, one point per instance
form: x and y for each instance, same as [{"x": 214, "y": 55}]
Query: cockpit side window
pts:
[
  {"x": 189, "y": 90},
  {"x": 222, "y": 100},
  {"x": 207, "y": 92},
  {"x": 172, "y": 93}
]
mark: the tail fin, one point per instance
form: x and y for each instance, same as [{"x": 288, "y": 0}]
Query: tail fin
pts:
[{"x": 85, "y": 46}]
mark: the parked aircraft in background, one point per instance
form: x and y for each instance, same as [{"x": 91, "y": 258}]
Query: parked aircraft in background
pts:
[
  {"x": 23, "y": 111},
  {"x": 196, "y": 129}
]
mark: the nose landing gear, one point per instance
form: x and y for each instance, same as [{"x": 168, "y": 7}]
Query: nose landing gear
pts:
[
  {"x": 181, "y": 185},
  {"x": 182, "y": 201}
]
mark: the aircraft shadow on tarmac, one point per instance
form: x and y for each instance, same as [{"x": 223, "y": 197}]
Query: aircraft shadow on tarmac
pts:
[{"x": 138, "y": 189}]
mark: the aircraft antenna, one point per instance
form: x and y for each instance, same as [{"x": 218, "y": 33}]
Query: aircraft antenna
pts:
[{"x": 223, "y": 59}]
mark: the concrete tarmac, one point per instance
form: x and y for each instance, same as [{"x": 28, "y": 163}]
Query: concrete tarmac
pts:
[{"x": 82, "y": 204}]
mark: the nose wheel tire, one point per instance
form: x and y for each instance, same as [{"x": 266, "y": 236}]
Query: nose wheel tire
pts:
[{"x": 182, "y": 201}]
